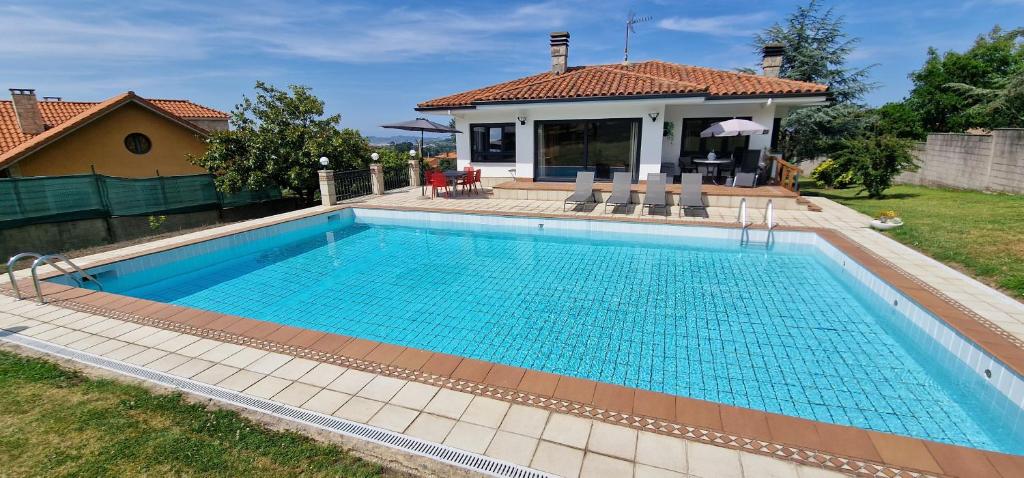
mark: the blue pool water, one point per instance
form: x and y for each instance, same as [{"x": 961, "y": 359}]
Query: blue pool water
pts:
[{"x": 781, "y": 330}]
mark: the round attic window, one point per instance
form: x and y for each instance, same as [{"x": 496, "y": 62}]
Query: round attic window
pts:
[{"x": 137, "y": 143}]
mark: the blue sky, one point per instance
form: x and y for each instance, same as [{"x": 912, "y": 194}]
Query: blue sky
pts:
[{"x": 372, "y": 61}]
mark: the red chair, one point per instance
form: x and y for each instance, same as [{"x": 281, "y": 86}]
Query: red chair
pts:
[
  {"x": 438, "y": 181},
  {"x": 472, "y": 179},
  {"x": 426, "y": 181},
  {"x": 467, "y": 180},
  {"x": 477, "y": 181}
]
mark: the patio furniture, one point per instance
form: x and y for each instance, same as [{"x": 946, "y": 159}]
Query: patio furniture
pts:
[
  {"x": 690, "y": 198},
  {"x": 655, "y": 195},
  {"x": 750, "y": 161},
  {"x": 712, "y": 163},
  {"x": 477, "y": 183},
  {"x": 686, "y": 165},
  {"x": 453, "y": 176},
  {"x": 621, "y": 191},
  {"x": 466, "y": 181},
  {"x": 584, "y": 193},
  {"x": 744, "y": 180},
  {"x": 439, "y": 181},
  {"x": 426, "y": 181},
  {"x": 671, "y": 170}
]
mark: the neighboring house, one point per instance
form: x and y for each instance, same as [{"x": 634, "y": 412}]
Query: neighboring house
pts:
[
  {"x": 125, "y": 136},
  {"x": 609, "y": 118}
]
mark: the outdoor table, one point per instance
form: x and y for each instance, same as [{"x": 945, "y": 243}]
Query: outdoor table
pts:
[
  {"x": 717, "y": 163},
  {"x": 452, "y": 176}
]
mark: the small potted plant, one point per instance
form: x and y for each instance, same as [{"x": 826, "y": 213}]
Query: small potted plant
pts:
[{"x": 887, "y": 220}]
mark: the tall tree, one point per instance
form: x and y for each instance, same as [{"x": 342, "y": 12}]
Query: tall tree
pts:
[
  {"x": 277, "y": 139},
  {"x": 816, "y": 50},
  {"x": 949, "y": 85}
]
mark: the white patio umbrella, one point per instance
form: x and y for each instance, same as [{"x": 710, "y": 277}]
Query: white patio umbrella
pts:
[{"x": 734, "y": 127}]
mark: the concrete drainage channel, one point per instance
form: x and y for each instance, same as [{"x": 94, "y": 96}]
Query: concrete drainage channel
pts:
[{"x": 442, "y": 453}]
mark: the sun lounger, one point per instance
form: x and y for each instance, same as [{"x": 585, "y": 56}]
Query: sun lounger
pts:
[
  {"x": 655, "y": 196},
  {"x": 621, "y": 185},
  {"x": 691, "y": 201},
  {"x": 584, "y": 193}
]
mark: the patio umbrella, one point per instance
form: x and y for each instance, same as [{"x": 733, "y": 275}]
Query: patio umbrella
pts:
[
  {"x": 422, "y": 125},
  {"x": 734, "y": 127}
]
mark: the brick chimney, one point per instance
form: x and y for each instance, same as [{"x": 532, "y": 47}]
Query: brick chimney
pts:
[
  {"x": 771, "y": 62},
  {"x": 26, "y": 107},
  {"x": 559, "y": 52}
]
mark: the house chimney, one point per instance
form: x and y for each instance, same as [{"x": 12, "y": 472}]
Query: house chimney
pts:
[
  {"x": 26, "y": 108},
  {"x": 559, "y": 52},
  {"x": 771, "y": 63}
]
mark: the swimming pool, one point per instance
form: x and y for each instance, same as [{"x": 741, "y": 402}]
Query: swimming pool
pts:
[{"x": 799, "y": 329}]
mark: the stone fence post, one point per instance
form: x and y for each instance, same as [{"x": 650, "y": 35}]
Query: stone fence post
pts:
[
  {"x": 377, "y": 178},
  {"x": 414, "y": 173},
  {"x": 328, "y": 191}
]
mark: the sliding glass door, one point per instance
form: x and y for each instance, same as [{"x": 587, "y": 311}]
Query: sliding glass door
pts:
[{"x": 605, "y": 146}]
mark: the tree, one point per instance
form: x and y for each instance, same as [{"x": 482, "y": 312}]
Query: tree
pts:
[
  {"x": 875, "y": 160},
  {"x": 816, "y": 50},
  {"x": 949, "y": 87},
  {"x": 812, "y": 132},
  {"x": 900, "y": 120},
  {"x": 277, "y": 139},
  {"x": 1002, "y": 104}
]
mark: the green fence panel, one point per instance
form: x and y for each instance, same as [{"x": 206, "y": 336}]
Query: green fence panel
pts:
[
  {"x": 128, "y": 197},
  {"x": 28, "y": 198},
  {"x": 64, "y": 198},
  {"x": 242, "y": 198}
]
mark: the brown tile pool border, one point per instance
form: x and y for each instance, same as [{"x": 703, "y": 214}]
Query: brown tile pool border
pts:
[{"x": 835, "y": 447}]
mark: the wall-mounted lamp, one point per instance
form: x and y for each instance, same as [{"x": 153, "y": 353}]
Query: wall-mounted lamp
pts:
[
  {"x": 522, "y": 119},
  {"x": 654, "y": 116}
]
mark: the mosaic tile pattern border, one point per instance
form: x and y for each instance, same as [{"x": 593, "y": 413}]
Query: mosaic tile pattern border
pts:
[
  {"x": 995, "y": 328},
  {"x": 803, "y": 456}
]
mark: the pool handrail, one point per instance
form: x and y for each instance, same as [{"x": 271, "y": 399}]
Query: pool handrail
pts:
[
  {"x": 10, "y": 269},
  {"x": 49, "y": 260}
]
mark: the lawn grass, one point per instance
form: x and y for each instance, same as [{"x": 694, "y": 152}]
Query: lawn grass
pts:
[
  {"x": 979, "y": 233},
  {"x": 57, "y": 422}
]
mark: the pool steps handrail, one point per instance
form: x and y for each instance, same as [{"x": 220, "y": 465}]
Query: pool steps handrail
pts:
[
  {"x": 10, "y": 269},
  {"x": 54, "y": 260},
  {"x": 768, "y": 221}
]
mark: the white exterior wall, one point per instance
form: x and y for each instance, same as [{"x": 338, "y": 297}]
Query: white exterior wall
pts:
[
  {"x": 653, "y": 147},
  {"x": 760, "y": 112}
]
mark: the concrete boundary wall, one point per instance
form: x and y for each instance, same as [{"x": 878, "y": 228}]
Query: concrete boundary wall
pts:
[{"x": 983, "y": 162}]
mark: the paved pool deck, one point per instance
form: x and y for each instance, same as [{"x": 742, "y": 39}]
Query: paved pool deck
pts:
[{"x": 401, "y": 390}]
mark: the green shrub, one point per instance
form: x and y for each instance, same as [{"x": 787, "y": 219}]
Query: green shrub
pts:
[
  {"x": 875, "y": 161},
  {"x": 831, "y": 175}
]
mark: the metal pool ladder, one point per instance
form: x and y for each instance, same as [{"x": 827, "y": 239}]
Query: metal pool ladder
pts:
[
  {"x": 52, "y": 260},
  {"x": 768, "y": 221}
]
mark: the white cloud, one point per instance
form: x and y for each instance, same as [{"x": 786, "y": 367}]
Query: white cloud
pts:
[
  {"x": 724, "y": 25},
  {"x": 163, "y": 30},
  {"x": 38, "y": 33}
]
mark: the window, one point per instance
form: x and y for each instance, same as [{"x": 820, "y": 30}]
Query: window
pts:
[
  {"x": 495, "y": 143},
  {"x": 604, "y": 146},
  {"x": 137, "y": 143},
  {"x": 697, "y": 147}
]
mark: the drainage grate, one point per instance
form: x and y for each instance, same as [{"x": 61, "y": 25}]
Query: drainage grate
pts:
[{"x": 469, "y": 461}]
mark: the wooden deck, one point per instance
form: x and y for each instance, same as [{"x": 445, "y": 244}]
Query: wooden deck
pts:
[{"x": 708, "y": 189}]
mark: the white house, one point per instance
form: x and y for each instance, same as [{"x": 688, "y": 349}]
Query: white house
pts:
[{"x": 608, "y": 118}]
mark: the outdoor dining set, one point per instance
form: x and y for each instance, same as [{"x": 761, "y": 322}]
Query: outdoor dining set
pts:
[{"x": 449, "y": 181}]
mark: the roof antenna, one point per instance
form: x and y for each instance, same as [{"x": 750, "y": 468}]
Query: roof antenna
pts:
[{"x": 631, "y": 20}]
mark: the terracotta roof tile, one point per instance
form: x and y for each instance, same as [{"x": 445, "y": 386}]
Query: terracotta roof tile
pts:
[
  {"x": 61, "y": 117},
  {"x": 56, "y": 113},
  {"x": 650, "y": 78}
]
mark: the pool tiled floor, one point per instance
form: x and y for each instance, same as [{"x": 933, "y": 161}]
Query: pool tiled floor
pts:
[{"x": 549, "y": 440}]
